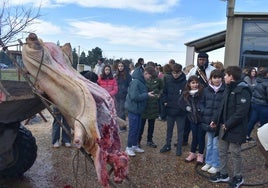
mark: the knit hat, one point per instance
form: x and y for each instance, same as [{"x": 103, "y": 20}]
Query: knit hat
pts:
[{"x": 202, "y": 55}]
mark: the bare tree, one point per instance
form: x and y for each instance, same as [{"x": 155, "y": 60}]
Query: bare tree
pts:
[{"x": 14, "y": 20}]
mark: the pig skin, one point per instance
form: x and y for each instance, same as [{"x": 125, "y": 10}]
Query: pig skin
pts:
[{"x": 87, "y": 107}]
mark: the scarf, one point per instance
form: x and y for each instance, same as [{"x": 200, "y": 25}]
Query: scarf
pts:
[
  {"x": 193, "y": 92},
  {"x": 215, "y": 88}
]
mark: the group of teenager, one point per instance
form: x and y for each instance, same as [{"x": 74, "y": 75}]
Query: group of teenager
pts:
[
  {"x": 212, "y": 103},
  {"x": 216, "y": 103}
]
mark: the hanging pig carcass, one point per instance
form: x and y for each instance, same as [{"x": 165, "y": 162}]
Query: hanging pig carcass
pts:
[{"x": 88, "y": 108}]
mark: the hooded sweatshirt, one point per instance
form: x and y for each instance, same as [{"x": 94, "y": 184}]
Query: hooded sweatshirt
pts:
[{"x": 137, "y": 96}]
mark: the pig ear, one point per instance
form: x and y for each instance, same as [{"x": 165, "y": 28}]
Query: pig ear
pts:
[{"x": 67, "y": 50}]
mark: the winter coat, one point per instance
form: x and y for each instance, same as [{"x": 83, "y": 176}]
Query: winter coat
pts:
[
  {"x": 123, "y": 84},
  {"x": 109, "y": 84},
  {"x": 210, "y": 103},
  {"x": 137, "y": 95},
  {"x": 172, "y": 91},
  {"x": 260, "y": 93},
  {"x": 234, "y": 112},
  {"x": 152, "y": 110},
  {"x": 192, "y": 107},
  {"x": 252, "y": 82}
]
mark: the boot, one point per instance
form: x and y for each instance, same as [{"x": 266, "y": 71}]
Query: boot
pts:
[
  {"x": 190, "y": 157},
  {"x": 200, "y": 158}
]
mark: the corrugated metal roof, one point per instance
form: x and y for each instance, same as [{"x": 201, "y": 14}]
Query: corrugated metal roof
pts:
[{"x": 209, "y": 43}]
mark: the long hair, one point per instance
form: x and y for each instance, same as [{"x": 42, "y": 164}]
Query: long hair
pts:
[
  {"x": 103, "y": 76},
  {"x": 187, "y": 88},
  {"x": 121, "y": 74}
]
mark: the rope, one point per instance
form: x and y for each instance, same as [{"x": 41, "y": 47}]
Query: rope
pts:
[{"x": 48, "y": 104}]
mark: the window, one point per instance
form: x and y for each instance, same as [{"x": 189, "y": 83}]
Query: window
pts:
[{"x": 254, "y": 48}]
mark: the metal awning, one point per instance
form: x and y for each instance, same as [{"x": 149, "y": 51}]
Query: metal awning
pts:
[{"x": 208, "y": 43}]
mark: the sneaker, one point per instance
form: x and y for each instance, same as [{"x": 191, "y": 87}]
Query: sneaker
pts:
[
  {"x": 130, "y": 152},
  {"x": 213, "y": 170},
  {"x": 200, "y": 158},
  {"x": 178, "y": 152},
  {"x": 250, "y": 140},
  {"x": 236, "y": 182},
  {"x": 137, "y": 149},
  {"x": 165, "y": 148},
  {"x": 206, "y": 167},
  {"x": 218, "y": 177},
  {"x": 151, "y": 144},
  {"x": 56, "y": 144},
  {"x": 191, "y": 157},
  {"x": 67, "y": 144}
]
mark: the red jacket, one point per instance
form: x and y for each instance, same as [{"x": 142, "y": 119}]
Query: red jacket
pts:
[{"x": 109, "y": 85}]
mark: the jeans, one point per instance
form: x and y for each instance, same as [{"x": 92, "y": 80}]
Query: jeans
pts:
[
  {"x": 198, "y": 139},
  {"x": 258, "y": 113},
  {"x": 150, "y": 133},
  {"x": 57, "y": 130},
  {"x": 134, "y": 123},
  {"x": 212, "y": 153},
  {"x": 235, "y": 150},
  {"x": 180, "y": 121}
]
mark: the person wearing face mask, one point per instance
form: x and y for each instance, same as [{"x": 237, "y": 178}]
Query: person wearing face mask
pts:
[{"x": 202, "y": 70}]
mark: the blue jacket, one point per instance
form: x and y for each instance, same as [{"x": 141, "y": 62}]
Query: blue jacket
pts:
[{"x": 137, "y": 96}]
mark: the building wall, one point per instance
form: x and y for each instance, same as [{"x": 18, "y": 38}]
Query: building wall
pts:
[
  {"x": 233, "y": 41},
  {"x": 234, "y": 37}
]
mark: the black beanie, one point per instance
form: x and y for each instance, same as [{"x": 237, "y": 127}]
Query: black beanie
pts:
[{"x": 202, "y": 55}]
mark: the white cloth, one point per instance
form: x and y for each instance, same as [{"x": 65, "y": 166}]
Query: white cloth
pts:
[
  {"x": 208, "y": 70},
  {"x": 262, "y": 134},
  {"x": 98, "y": 68}
]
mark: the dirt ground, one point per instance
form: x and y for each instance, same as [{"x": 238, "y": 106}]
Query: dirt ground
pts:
[{"x": 68, "y": 168}]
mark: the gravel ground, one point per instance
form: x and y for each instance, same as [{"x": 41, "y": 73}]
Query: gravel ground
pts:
[{"x": 68, "y": 168}]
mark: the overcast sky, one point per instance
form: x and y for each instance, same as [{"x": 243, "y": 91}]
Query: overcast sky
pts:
[{"x": 153, "y": 29}]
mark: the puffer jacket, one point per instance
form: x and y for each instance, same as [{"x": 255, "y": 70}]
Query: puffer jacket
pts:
[
  {"x": 109, "y": 84},
  {"x": 234, "y": 112},
  {"x": 137, "y": 96},
  {"x": 210, "y": 103},
  {"x": 260, "y": 93}
]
